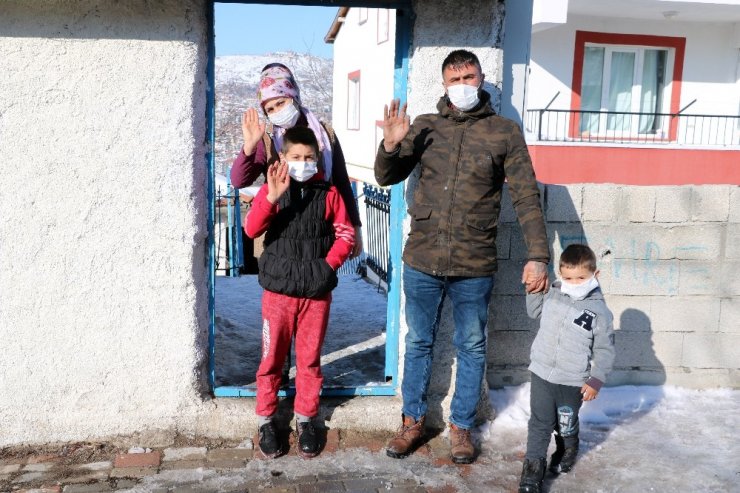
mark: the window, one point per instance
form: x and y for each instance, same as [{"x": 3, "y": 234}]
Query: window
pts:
[
  {"x": 362, "y": 15},
  {"x": 625, "y": 85},
  {"x": 383, "y": 21},
  {"x": 353, "y": 100}
]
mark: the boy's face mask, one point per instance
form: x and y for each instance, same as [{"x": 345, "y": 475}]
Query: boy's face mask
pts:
[
  {"x": 579, "y": 291},
  {"x": 302, "y": 170}
]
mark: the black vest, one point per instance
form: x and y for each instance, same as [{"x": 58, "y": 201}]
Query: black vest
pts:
[{"x": 297, "y": 242}]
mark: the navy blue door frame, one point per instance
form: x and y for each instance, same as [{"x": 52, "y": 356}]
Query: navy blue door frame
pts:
[{"x": 404, "y": 23}]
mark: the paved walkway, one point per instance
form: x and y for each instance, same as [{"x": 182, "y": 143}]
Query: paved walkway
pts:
[{"x": 349, "y": 462}]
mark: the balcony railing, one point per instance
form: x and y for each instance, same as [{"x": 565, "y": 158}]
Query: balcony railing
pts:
[{"x": 614, "y": 127}]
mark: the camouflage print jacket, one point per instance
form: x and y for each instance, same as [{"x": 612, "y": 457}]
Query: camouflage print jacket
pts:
[{"x": 464, "y": 158}]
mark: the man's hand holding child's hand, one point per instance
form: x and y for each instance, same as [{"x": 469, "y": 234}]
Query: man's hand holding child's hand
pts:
[
  {"x": 589, "y": 393},
  {"x": 278, "y": 180}
]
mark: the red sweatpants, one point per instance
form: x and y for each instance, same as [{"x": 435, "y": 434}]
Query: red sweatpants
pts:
[{"x": 284, "y": 317}]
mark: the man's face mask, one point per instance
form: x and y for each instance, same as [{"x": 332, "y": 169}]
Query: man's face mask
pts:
[
  {"x": 301, "y": 170},
  {"x": 463, "y": 96}
]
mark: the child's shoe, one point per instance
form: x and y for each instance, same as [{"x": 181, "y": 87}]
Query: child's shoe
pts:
[
  {"x": 269, "y": 442},
  {"x": 533, "y": 472},
  {"x": 563, "y": 459},
  {"x": 308, "y": 439}
]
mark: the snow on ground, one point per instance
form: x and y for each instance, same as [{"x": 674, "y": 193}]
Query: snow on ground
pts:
[
  {"x": 354, "y": 347},
  {"x": 633, "y": 439}
]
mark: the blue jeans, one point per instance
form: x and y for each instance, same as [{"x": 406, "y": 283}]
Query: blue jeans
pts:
[{"x": 424, "y": 296}]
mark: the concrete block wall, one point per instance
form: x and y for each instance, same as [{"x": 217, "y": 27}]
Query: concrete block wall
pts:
[{"x": 670, "y": 272}]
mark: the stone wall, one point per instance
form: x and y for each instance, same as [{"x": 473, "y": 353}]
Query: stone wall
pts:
[{"x": 670, "y": 271}]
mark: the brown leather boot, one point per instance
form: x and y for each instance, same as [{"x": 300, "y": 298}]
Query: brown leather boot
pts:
[
  {"x": 462, "y": 450},
  {"x": 407, "y": 438}
]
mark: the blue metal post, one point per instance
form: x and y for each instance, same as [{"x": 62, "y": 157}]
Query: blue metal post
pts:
[
  {"x": 210, "y": 158},
  {"x": 398, "y": 204}
]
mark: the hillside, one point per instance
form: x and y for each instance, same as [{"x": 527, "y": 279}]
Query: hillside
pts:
[{"x": 237, "y": 78}]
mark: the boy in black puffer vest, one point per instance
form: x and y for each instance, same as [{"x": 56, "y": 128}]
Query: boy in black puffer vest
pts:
[{"x": 308, "y": 237}]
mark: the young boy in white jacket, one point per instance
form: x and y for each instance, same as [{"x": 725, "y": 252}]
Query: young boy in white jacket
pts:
[{"x": 570, "y": 358}]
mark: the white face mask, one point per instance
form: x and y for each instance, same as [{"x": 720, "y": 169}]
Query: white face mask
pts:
[
  {"x": 463, "y": 96},
  {"x": 579, "y": 291},
  {"x": 285, "y": 117},
  {"x": 301, "y": 170}
]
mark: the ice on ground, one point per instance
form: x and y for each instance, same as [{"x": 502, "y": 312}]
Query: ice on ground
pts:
[{"x": 354, "y": 347}]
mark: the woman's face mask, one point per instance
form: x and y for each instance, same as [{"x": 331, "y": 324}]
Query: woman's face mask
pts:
[{"x": 287, "y": 116}]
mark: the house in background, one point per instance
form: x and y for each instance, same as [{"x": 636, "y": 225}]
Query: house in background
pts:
[
  {"x": 630, "y": 113},
  {"x": 640, "y": 92},
  {"x": 364, "y": 55}
]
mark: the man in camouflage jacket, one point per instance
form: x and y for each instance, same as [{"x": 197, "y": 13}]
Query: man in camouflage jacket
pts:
[{"x": 464, "y": 153}]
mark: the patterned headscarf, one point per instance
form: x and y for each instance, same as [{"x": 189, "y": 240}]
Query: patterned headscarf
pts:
[{"x": 277, "y": 81}]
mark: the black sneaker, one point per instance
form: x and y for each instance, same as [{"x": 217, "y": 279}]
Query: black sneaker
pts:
[
  {"x": 269, "y": 442},
  {"x": 533, "y": 473},
  {"x": 563, "y": 459},
  {"x": 308, "y": 439}
]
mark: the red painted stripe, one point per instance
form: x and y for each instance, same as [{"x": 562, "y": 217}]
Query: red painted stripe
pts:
[
  {"x": 635, "y": 166},
  {"x": 353, "y": 75}
]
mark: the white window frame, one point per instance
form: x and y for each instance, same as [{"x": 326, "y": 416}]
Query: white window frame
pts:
[
  {"x": 639, "y": 51},
  {"x": 353, "y": 100}
]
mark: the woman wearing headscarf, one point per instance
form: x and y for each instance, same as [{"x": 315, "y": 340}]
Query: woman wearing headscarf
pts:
[{"x": 280, "y": 100}]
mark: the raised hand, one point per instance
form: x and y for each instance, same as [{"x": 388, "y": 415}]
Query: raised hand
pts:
[
  {"x": 278, "y": 180},
  {"x": 252, "y": 130},
  {"x": 395, "y": 124}
]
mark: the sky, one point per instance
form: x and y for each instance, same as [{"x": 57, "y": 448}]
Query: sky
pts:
[{"x": 256, "y": 29}]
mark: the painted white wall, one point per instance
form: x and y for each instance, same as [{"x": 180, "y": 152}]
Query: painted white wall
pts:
[
  {"x": 546, "y": 13},
  {"x": 375, "y": 62},
  {"x": 710, "y": 64},
  {"x": 104, "y": 311}
]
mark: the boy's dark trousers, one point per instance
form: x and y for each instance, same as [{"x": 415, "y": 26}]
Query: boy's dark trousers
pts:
[{"x": 553, "y": 407}]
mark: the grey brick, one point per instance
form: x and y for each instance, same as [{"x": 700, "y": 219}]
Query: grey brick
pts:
[
  {"x": 685, "y": 314},
  {"x": 508, "y": 279},
  {"x": 510, "y": 347},
  {"x": 638, "y": 204},
  {"x": 673, "y": 204},
  {"x": 647, "y": 350},
  {"x": 509, "y": 312},
  {"x": 503, "y": 242},
  {"x": 508, "y": 214},
  {"x": 95, "y": 466},
  {"x": 87, "y": 488},
  {"x": 631, "y": 313},
  {"x": 711, "y": 350},
  {"x": 710, "y": 203},
  {"x": 184, "y": 454},
  {"x": 700, "y": 278},
  {"x": 729, "y": 318},
  {"x": 132, "y": 472},
  {"x": 560, "y": 235},
  {"x": 321, "y": 487},
  {"x": 644, "y": 277},
  {"x": 28, "y": 477},
  {"x": 734, "y": 212},
  {"x": 563, "y": 203},
  {"x": 601, "y": 202},
  {"x": 86, "y": 478},
  {"x": 10, "y": 468},
  {"x": 732, "y": 243}
]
